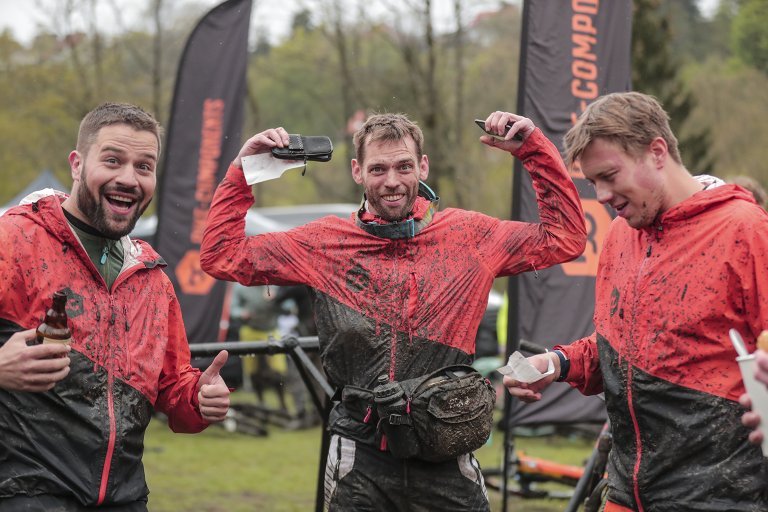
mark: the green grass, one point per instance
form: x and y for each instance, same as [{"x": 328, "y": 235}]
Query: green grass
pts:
[{"x": 219, "y": 471}]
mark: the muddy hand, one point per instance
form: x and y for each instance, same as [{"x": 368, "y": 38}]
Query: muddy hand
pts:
[{"x": 262, "y": 143}]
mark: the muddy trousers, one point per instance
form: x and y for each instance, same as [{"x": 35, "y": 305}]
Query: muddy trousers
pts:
[
  {"x": 360, "y": 478},
  {"x": 50, "y": 503}
]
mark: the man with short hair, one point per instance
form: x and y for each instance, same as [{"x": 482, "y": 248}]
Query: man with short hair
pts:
[
  {"x": 684, "y": 262},
  {"x": 73, "y": 416},
  {"x": 399, "y": 290}
]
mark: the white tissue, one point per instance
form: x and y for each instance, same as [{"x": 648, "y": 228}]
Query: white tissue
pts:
[
  {"x": 521, "y": 370},
  {"x": 264, "y": 166}
]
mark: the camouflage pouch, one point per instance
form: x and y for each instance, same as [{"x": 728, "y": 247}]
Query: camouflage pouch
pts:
[{"x": 448, "y": 412}]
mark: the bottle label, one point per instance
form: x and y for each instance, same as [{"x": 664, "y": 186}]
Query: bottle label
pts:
[{"x": 52, "y": 340}]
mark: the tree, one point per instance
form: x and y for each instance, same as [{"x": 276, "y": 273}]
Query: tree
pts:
[
  {"x": 655, "y": 71},
  {"x": 750, "y": 34}
]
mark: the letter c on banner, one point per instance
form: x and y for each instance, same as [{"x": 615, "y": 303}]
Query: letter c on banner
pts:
[{"x": 598, "y": 220}]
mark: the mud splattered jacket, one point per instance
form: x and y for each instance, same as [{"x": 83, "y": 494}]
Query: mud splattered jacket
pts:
[
  {"x": 397, "y": 306},
  {"x": 84, "y": 439},
  {"x": 666, "y": 297}
]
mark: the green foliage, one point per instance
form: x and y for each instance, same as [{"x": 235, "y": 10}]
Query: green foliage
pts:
[
  {"x": 338, "y": 61},
  {"x": 733, "y": 99},
  {"x": 50, "y": 84},
  {"x": 750, "y": 34},
  {"x": 655, "y": 71},
  {"x": 217, "y": 471}
]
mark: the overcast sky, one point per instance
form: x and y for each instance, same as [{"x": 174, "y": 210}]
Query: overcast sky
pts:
[{"x": 23, "y": 16}]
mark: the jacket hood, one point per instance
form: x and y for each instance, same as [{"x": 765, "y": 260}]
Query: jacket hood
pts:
[
  {"x": 43, "y": 207},
  {"x": 702, "y": 201}
]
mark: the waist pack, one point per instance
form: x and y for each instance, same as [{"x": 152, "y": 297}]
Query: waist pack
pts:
[{"x": 436, "y": 417}]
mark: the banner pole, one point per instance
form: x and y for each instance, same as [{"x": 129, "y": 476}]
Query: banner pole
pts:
[{"x": 513, "y": 284}]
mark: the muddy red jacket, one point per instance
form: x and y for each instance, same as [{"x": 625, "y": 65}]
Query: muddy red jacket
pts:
[
  {"x": 84, "y": 438},
  {"x": 666, "y": 297},
  {"x": 388, "y": 301}
]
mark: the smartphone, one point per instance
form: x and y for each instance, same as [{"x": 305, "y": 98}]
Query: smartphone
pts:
[{"x": 481, "y": 123}]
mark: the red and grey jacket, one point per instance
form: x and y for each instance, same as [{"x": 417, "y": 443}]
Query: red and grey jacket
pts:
[
  {"x": 666, "y": 297},
  {"x": 392, "y": 301},
  {"x": 83, "y": 440}
]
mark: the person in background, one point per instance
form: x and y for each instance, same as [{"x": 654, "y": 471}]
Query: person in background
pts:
[
  {"x": 399, "y": 289},
  {"x": 752, "y": 185},
  {"x": 684, "y": 261},
  {"x": 73, "y": 416},
  {"x": 257, "y": 311},
  {"x": 299, "y": 298}
]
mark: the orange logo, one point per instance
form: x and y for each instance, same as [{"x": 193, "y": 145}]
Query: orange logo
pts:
[
  {"x": 192, "y": 279},
  {"x": 598, "y": 220}
]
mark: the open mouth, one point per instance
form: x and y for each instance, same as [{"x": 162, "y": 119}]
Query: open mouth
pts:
[
  {"x": 120, "y": 203},
  {"x": 393, "y": 198}
]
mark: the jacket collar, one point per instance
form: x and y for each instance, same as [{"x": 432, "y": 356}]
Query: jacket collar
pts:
[
  {"x": 421, "y": 216},
  {"x": 707, "y": 199},
  {"x": 44, "y": 207}
]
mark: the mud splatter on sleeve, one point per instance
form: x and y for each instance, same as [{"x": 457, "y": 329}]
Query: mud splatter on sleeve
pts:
[
  {"x": 561, "y": 235},
  {"x": 177, "y": 387}
]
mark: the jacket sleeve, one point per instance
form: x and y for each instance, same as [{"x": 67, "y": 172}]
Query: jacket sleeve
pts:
[
  {"x": 227, "y": 253},
  {"x": 753, "y": 277},
  {"x": 177, "y": 389},
  {"x": 561, "y": 234},
  {"x": 585, "y": 374}
]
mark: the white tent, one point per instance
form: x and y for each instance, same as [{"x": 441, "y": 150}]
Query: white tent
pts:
[{"x": 45, "y": 179}]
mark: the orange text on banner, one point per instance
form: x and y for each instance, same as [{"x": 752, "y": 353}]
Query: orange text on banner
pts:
[
  {"x": 584, "y": 67},
  {"x": 208, "y": 165},
  {"x": 598, "y": 220}
]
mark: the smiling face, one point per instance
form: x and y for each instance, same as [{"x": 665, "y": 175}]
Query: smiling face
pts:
[
  {"x": 390, "y": 176},
  {"x": 633, "y": 185},
  {"x": 114, "y": 181}
]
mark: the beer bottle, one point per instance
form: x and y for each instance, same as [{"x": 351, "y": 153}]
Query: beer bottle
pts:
[{"x": 54, "y": 328}]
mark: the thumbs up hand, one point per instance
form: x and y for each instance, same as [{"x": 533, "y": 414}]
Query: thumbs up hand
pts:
[{"x": 213, "y": 393}]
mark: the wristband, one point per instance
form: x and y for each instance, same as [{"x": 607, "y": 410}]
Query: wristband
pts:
[{"x": 565, "y": 365}]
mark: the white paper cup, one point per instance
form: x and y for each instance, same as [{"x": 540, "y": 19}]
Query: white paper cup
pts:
[{"x": 758, "y": 393}]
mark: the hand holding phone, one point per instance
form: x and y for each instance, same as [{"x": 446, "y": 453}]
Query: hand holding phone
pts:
[{"x": 481, "y": 123}]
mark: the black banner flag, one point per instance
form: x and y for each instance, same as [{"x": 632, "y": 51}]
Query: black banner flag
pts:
[
  {"x": 203, "y": 137},
  {"x": 572, "y": 52}
]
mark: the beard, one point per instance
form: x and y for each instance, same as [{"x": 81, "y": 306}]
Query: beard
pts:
[
  {"x": 390, "y": 214},
  {"x": 97, "y": 216}
]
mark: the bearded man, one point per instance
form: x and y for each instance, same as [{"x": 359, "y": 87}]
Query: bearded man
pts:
[{"x": 73, "y": 415}]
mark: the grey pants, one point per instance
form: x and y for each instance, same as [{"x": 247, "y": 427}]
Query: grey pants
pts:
[{"x": 361, "y": 478}]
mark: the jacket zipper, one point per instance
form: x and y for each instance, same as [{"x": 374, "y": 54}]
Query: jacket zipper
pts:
[
  {"x": 128, "y": 270},
  {"x": 110, "y": 410},
  {"x": 410, "y": 305},
  {"x": 630, "y": 403},
  {"x": 111, "y": 444},
  {"x": 393, "y": 337},
  {"x": 413, "y": 295}
]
